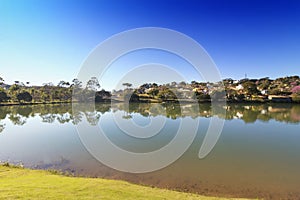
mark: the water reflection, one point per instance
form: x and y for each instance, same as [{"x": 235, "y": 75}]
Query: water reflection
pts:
[
  {"x": 257, "y": 154},
  {"x": 62, "y": 113}
]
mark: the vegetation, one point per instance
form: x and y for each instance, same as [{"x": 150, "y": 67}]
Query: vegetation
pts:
[
  {"x": 285, "y": 89},
  {"x": 20, "y": 93},
  {"x": 3, "y": 96},
  {"x": 19, "y": 183}
]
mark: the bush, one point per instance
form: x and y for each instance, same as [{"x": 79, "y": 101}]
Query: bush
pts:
[
  {"x": 296, "y": 90},
  {"x": 24, "y": 96},
  {"x": 296, "y": 98},
  {"x": 3, "y": 96}
]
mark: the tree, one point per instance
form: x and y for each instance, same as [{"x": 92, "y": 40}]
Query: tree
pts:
[
  {"x": 102, "y": 95},
  {"x": 275, "y": 91},
  {"x": 296, "y": 90},
  {"x": 182, "y": 83},
  {"x": 264, "y": 83},
  {"x": 203, "y": 97},
  {"x": 93, "y": 84},
  {"x": 24, "y": 96},
  {"x": 14, "y": 88},
  {"x": 13, "y": 91},
  {"x": 250, "y": 88},
  {"x": 1, "y": 81},
  {"x": 76, "y": 83},
  {"x": 63, "y": 84},
  {"x": 166, "y": 94},
  {"x": 153, "y": 92},
  {"x": 128, "y": 85},
  {"x": 154, "y": 85},
  {"x": 3, "y": 96}
]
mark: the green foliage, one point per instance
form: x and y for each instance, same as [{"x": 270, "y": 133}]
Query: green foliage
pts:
[
  {"x": 14, "y": 88},
  {"x": 167, "y": 94},
  {"x": 250, "y": 88},
  {"x": 154, "y": 92},
  {"x": 203, "y": 97},
  {"x": 3, "y": 96},
  {"x": 275, "y": 91},
  {"x": 24, "y": 96},
  {"x": 296, "y": 98},
  {"x": 102, "y": 95},
  {"x": 93, "y": 84},
  {"x": 76, "y": 83}
]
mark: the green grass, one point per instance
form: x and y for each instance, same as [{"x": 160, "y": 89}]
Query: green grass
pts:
[{"x": 19, "y": 183}]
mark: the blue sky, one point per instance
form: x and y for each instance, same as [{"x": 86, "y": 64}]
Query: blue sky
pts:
[{"x": 43, "y": 41}]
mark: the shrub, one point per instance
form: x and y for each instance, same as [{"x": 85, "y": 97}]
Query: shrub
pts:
[{"x": 296, "y": 90}]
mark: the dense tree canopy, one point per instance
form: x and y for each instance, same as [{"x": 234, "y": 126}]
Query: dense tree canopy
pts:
[
  {"x": 3, "y": 96},
  {"x": 24, "y": 96}
]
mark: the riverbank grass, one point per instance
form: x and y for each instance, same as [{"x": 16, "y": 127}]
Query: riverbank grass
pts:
[{"x": 19, "y": 183}]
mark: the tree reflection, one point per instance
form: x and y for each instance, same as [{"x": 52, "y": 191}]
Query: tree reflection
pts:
[
  {"x": 2, "y": 126},
  {"x": 63, "y": 113},
  {"x": 93, "y": 117},
  {"x": 48, "y": 118},
  {"x": 64, "y": 118},
  {"x": 17, "y": 119}
]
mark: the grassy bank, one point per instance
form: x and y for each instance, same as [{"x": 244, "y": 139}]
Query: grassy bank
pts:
[{"x": 18, "y": 183}]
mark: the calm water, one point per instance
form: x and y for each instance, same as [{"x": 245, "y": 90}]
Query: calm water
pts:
[{"x": 257, "y": 154}]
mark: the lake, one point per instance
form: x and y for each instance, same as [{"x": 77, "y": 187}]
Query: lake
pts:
[{"x": 256, "y": 155}]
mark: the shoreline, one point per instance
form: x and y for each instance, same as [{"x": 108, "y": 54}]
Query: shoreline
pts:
[
  {"x": 155, "y": 102},
  {"x": 18, "y": 182},
  {"x": 33, "y": 103}
]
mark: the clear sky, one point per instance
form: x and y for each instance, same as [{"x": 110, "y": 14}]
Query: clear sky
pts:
[{"x": 43, "y": 41}]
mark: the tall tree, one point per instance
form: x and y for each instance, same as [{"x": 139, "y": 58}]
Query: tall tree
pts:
[
  {"x": 63, "y": 84},
  {"x": 93, "y": 84},
  {"x": 1, "y": 80},
  {"x": 76, "y": 83},
  {"x": 127, "y": 85}
]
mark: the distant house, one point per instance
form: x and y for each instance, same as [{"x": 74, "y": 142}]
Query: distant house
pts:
[
  {"x": 277, "y": 98},
  {"x": 239, "y": 87},
  {"x": 264, "y": 92}
]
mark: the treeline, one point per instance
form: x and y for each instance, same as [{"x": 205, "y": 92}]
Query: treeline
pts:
[
  {"x": 21, "y": 93},
  {"x": 286, "y": 89}
]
